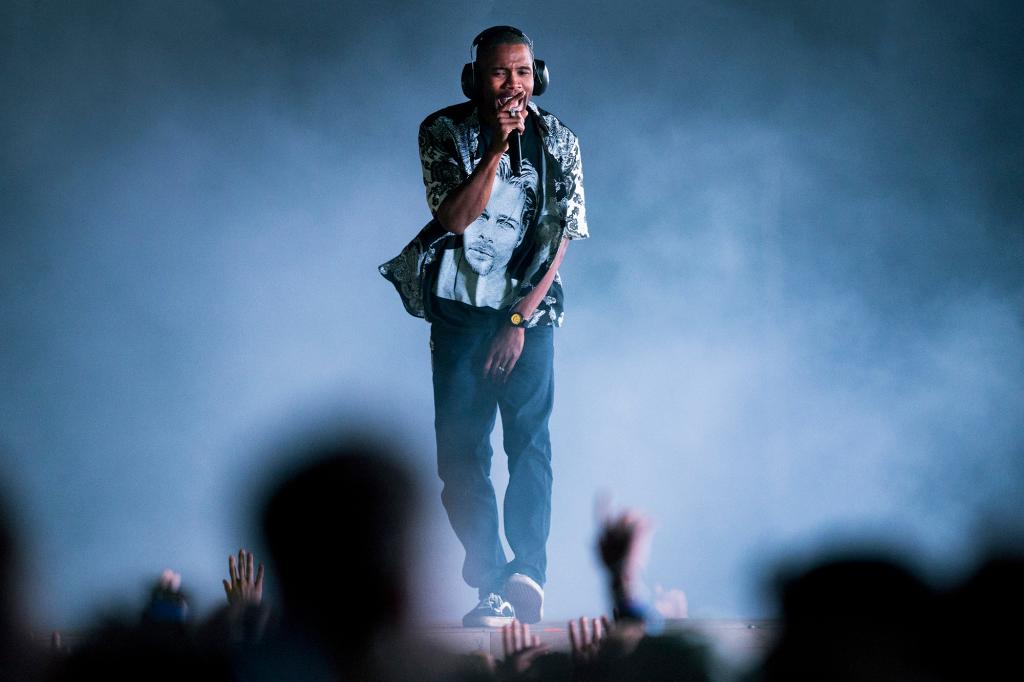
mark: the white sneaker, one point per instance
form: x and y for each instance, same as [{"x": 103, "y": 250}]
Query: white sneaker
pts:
[
  {"x": 526, "y": 597},
  {"x": 491, "y": 612}
]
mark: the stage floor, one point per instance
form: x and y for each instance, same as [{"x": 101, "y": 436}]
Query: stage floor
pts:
[{"x": 735, "y": 641}]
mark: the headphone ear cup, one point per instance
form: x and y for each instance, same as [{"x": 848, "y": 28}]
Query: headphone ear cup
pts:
[
  {"x": 469, "y": 81},
  {"x": 541, "y": 78}
]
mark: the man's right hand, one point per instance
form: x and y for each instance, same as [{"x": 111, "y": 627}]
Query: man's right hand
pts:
[
  {"x": 508, "y": 121},
  {"x": 466, "y": 202}
]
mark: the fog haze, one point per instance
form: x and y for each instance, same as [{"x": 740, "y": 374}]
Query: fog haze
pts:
[{"x": 799, "y": 320}]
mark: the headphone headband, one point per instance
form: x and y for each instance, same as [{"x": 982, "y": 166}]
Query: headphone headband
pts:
[{"x": 487, "y": 32}]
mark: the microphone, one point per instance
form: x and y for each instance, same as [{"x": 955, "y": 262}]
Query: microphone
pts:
[
  {"x": 515, "y": 148},
  {"x": 515, "y": 153}
]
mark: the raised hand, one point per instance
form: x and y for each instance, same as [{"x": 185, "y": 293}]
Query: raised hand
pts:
[
  {"x": 169, "y": 581},
  {"x": 246, "y": 586},
  {"x": 167, "y": 602},
  {"x": 624, "y": 543},
  {"x": 521, "y": 649},
  {"x": 585, "y": 637}
]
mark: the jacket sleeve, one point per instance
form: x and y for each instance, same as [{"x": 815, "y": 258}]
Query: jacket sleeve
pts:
[
  {"x": 441, "y": 170},
  {"x": 407, "y": 270},
  {"x": 575, "y": 209}
]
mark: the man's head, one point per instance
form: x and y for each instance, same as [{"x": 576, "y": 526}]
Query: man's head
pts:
[
  {"x": 504, "y": 67},
  {"x": 505, "y": 71},
  {"x": 490, "y": 239}
]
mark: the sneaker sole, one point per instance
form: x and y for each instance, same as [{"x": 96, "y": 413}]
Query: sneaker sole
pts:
[
  {"x": 487, "y": 622},
  {"x": 527, "y": 602}
]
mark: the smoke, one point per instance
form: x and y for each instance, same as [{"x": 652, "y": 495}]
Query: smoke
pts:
[{"x": 798, "y": 321}]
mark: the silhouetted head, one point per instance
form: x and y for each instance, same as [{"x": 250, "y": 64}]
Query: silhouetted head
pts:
[
  {"x": 665, "y": 657},
  {"x": 338, "y": 533},
  {"x": 11, "y": 602},
  {"x": 857, "y": 617},
  {"x": 852, "y": 592},
  {"x": 978, "y": 642},
  {"x": 20, "y": 657}
]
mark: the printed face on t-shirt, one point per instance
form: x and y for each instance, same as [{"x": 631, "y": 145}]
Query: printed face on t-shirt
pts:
[{"x": 490, "y": 239}]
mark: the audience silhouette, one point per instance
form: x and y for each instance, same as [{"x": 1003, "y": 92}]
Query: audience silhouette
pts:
[{"x": 338, "y": 527}]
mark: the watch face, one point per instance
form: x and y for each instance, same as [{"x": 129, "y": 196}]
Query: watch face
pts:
[{"x": 517, "y": 319}]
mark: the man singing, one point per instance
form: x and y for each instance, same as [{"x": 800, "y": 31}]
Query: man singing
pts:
[{"x": 505, "y": 185}]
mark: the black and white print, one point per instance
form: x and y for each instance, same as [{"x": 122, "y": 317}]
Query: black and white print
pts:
[
  {"x": 449, "y": 145},
  {"x": 477, "y": 272}
]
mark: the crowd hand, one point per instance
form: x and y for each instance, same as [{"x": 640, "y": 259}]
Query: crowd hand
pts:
[
  {"x": 608, "y": 641},
  {"x": 169, "y": 581},
  {"x": 505, "y": 350},
  {"x": 481, "y": 662},
  {"x": 585, "y": 638},
  {"x": 57, "y": 644},
  {"x": 521, "y": 650},
  {"x": 624, "y": 543},
  {"x": 622, "y": 638},
  {"x": 167, "y": 602},
  {"x": 246, "y": 586},
  {"x": 511, "y": 115},
  {"x": 670, "y": 603}
]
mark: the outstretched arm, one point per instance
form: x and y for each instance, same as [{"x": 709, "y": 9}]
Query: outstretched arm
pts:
[{"x": 623, "y": 545}]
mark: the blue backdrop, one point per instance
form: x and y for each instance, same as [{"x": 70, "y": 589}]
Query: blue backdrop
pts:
[{"x": 798, "y": 322}]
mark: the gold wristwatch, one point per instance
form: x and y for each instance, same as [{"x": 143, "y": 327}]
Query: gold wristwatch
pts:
[{"x": 517, "y": 320}]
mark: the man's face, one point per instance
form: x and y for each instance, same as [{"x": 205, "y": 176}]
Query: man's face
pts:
[
  {"x": 490, "y": 239},
  {"x": 507, "y": 72}
]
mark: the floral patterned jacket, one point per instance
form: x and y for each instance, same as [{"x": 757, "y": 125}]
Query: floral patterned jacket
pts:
[{"x": 449, "y": 142}]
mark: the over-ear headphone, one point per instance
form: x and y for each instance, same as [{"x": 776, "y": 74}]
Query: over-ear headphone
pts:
[{"x": 470, "y": 84}]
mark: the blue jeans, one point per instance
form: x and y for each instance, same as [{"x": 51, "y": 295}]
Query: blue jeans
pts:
[{"x": 465, "y": 406}]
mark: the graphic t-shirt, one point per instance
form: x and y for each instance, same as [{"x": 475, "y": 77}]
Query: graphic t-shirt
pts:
[
  {"x": 450, "y": 149},
  {"x": 474, "y": 284}
]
